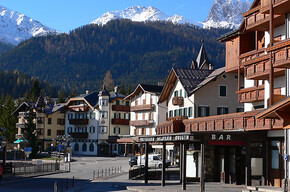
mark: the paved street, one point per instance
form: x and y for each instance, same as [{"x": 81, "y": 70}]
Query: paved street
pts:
[{"x": 82, "y": 170}]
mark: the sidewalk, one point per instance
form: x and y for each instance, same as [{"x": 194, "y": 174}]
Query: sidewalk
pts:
[{"x": 122, "y": 183}]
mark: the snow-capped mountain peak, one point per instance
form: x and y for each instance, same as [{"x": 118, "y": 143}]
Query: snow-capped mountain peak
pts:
[
  {"x": 226, "y": 13},
  {"x": 139, "y": 14},
  {"x": 16, "y": 27}
]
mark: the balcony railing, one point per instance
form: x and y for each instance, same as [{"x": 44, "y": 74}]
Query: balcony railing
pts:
[
  {"x": 141, "y": 123},
  {"x": 120, "y": 121},
  {"x": 177, "y": 101},
  {"x": 147, "y": 107},
  {"x": 278, "y": 5},
  {"x": 281, "y": 54},
  {"x": 79, "y": 108},
  {"x": 175, "y": 126},
  {"x": 124, "y": 108},
  {"x": 79, "y": 135},
  {"x": 78, "y": 121},
  {"x": 252, "y": 94},
  {"x": 244, "y": 121}
]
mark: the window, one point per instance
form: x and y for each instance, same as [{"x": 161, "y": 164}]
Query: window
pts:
[
  {"x": 203, "y": 111},
  {"x": 103, "y": 114},
  {"x": 103, "y": 129},
  {"x": 127, "y": 103},
  {"x": 180, "y": 92},
  {"x": 240, "y": 109},
  {"x": 49, "y": 121},
  {"x": 126, "y": 116},
  {"x": 103, "y": 102},
  {"x": 223, "y": 91},
  {"x": 185, "y": 94},
  {"x": 117, "y": 115},
  {"x": 136, "y": 102},
  {"x": 92, "y": 129},
  {"x": 190, "y": 112},
  {"x": 117, "y": 130},
  {"x": 144, "y": 101},
  {"x": 59, "y": 132},
  {"x": 175, "y": 113},
  {"x": 48, "y": 132},
  {"x": 170, "y": 113},
  {"x": 84, "y": 147},
  {"x": 85, "y": 130},
  {"x": 117, "y": 102},
  {"x": 40, "y": 120},
  {"x": 151, "y": 116},
  {"x": 69, "y": 129},
  {"x": 222, "y": 110},
  {"x": 185, "y": 112},
  {"x": 60, "y": 121},
  {"x": 175, "y": 93},
  {"x": 225, "y": 76},
  {"x": 76, "y": 147},
  {"x": 92, "y": 148},
  {"x": 180, "y": 112}
]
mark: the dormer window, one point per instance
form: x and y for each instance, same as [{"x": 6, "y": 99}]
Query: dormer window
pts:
[
  {"x": 103, "y": 102},
  {"x": 175, "y": 93}
]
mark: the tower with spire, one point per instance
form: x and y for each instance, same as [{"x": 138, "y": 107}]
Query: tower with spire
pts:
[{"x": 202, "y": 61}]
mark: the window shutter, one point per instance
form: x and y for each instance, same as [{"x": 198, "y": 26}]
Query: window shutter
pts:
[
  {"x": 227, "y": 110},
  {"x": 207, "y": 111},
  {"x": 199, "y": 112},
  {"x": 190, "y": 111},
  {"x": 218, "y": 111},
  {"x": 115, "y": 116}
]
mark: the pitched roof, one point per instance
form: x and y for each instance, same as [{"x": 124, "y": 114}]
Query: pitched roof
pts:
[
  {"x": 189, "y": 78},
  {"x": 201, "y": 59},
  {"x": 211, "y": 77},
  {"x": 155, "y": 89}
]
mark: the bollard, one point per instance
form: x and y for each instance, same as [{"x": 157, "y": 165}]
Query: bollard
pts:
[
  {"x": 98, "y": 174},
  {"x": 55, "y": 187},
  {"x": 102, "y": 173},
  {"x": 109, "y": 172},
  {"x": 106, "y": 172},
  {"x": 73, "y": 181},
  {"x": 120, "y": 169},
  {"x": 93, "y": 175}
]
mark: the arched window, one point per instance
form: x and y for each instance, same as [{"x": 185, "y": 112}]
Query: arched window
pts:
[
  {"x": 84, "y": 148},
  {"x": 92, "y": 129},
  {"x": 92, "y": 148},
  {"x": 76, "y": 147}
]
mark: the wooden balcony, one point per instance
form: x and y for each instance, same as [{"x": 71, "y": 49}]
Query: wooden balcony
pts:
[
  {"x": 175, "y": 126},
  {"x": 251, "y": 94},
  {"x": 177, "y": 118},
  {"x": 79, "y": 135},
  {"x": 120, "y": 121},
  {"x": 233, "y": 121},
  {"x": 244, "y": 121},
  {"x": 177, "y": 101},
  {"x": 254, "y": 56},
  {"x": 255, "y": 20},
  {"x": 124, "y": 108},
  {"x": 79, "y": 108},
  {"x": 261, "y": 70},
  {"x": 281, "y": 54},
  {"x": 138, "y": 123},
  {"x": 148, "y": 107},
  {"x": 78, "y": 121},
  {"x": 279, "y": 6}
]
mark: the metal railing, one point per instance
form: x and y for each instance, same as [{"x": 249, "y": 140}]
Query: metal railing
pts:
[
  {"x": 28, "y": 169},
  {"x": 101, "y": 173}
]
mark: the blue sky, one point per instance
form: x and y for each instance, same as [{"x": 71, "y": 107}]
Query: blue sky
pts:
[{"x": 65, "y": 15}]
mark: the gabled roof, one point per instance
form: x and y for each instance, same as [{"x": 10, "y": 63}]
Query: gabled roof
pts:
[
  {"x": 210, "y": 78},
  {"x": 155, "y": 89},
  {"x": 91, "y": 99},
  {"x": 201, "y": 59},
  {"x": 114, "y": 95},
  {"x": 189, "y": 78},
  {"x": 52, "y": 108},
  {"x": 23, "y": 107}
]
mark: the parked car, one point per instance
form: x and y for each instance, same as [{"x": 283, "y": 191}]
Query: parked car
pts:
[
  {"x": 133, "y": 161},
  {"x": 154, "y": 160}
]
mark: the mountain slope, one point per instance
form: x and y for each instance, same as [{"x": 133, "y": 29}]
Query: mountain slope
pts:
[
  {"x": 16, "y": 27},
  {"x": 134, "y": 52},
  {"x": 141, "y": 14},
  {"x": 226, "y": 14}
]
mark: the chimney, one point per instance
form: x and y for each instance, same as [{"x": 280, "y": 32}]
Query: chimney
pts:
[
  {"x": 116, "y": 89},
  {"x": 87, "y": 92}
]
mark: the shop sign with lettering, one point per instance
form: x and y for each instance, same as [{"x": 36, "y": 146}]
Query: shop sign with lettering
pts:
[
  {"x": 167, "y": 138},
  {"x": 221, "y": 137}
]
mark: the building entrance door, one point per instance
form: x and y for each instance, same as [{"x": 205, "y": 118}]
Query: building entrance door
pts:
[{"x": 275, "y": 163}]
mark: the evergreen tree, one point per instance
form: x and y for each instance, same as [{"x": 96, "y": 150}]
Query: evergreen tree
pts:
[
  {"x": 30, "y": 132},
  {"x": 35, "y": 90}
]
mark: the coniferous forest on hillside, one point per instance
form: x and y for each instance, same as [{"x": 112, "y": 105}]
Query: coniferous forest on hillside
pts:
[{"x": 134, "y": 52}]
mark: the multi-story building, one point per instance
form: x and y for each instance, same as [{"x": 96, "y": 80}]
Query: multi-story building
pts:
[
  {"x": 95, "y": 121},
  {"x": 146, "y": 113},
  {"x": 248, "y": 147},
  {"x": 49, "y": 121}
]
